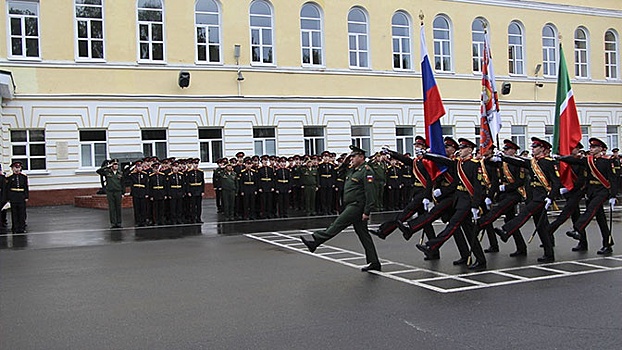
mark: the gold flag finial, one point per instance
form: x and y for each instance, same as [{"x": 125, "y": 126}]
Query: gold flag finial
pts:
[
  {"x": 559, "y": 36},
  {"x": 421, "y": 16}
]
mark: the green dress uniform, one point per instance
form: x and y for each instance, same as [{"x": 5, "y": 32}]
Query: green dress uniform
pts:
[
  {"x": 229, "y": 185},
  {"x": 114, "y": 192},
  {"x": 380, "y": 173},
  {"x": 308, "y": 181},
  {"x": 358, "y": 199}
]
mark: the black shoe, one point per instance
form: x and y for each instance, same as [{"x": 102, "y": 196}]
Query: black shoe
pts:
[
  {"x": 406, "y": 232},
  {"x": 311, "y": 245},
  {"x": 605, "y": 251},
  {"x": 502, "y": 234},
  {"x": 461, "y": 261},
  {"x": 574, "y": 234},
  {"x": 491, "y": 250},
  {"x": 424, "y": 248},
  {"x": 580, "y": 248},
  {"x": 478, "y": 265},
  {"x": 371, "y": 267},
  {"x": 432, "y": 256},
  {"x": 546, "y": 259},
  {"x": 518, "y": 253},
  {"x": 377, "y": 234}
]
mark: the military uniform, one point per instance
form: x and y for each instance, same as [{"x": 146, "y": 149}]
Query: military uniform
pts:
[
  {"x": 393, "y": 185},
  {"x": 114, "y": 192},
  {"x": 229, "y": 182},
  {"x": 283, "y": 188},
  {"x": 408, "y": 184},
  {"x": 358, "y": 199},
  {"x": 157, "y": 193},
  {"x": 196, "y": 188},
  {"x": 248, "y": 190},
  {"x": 308, "y": 182},
  {"x": 266, "y": 190},
  {"x": 327, "y": 174},
  {"x": 138, "y": 182},
  {"x": 380, "y": 174},
  {"x": 216, "y": 176},
  {"x": 177, "y": 187}
]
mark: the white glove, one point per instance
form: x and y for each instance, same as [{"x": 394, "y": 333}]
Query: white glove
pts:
[
  {"x": 501, "y": 188},
  {"x": 475, "y": 212},
  {"x": 420, "y": 152},
  {"x": 496, "y": 159},
  {"x": 612, "y": 202},
  {"x": 426, "y": 203},
  {"x": 437, "y": 192},
  {"x": 563, "y": 190},
  {"x": 547, "y": 203},
  {"x": 488, "y": 202}
]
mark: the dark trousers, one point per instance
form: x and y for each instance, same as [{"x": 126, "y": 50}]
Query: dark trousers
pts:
[
  {"x": 114, "y": 207},
  {"x": 595, "y": 200},
  {"x": 571, "y": 210},
  {"x": 393, "y": 198},
  {"x": 425, "y": 220},
  {"x": 505, "y": 206},
  {"x": 248, "y": 204},
  {"x": 140, "y": 207},
  {"x": 282, "y": 201},
  {"x": 175, "y": 210},
  {"x": 535, "y": 209},
  {"x": 414, "y": 206},
  {"x": 228, "y": 203},
  {"x": 351, "y": 215},
  {"x": 157, "y": 205},
  {"x": 218, "y": 200},
  {"x": 309, "y": 199},
  {"x": 18, "y": 216},
  {"x": 267, "y": 207}
]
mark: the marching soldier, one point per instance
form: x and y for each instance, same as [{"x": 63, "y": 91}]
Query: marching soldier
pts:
[
  {"x": 490, "y": 182},
  {"x": 138, "y": 181},
  {"x": 283, "y": 187},
  {"x": 229, "y": 182},
  {"x": 266, "y": 188},
  {"x": 157, "y": 193},
  {"x": 114, "y": 191},
  {"x": 308, "y": 182},
  {"x": 327, "y": 174},
  {"x": 468, "y": 197},
  {"x": 248, "y": 189},
  {"x": 359, "y": 202},
  {"x": 196, "y": 188},
  {"x": 511, "y": 191},
  {"x": 177, "y": 189},
  {"x": 601, "y": 186},
  {"x": 544, "y": 187}
]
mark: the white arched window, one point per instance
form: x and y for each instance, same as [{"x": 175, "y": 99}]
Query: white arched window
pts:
[
  {"x": 442, "y": 44},
  {"x": 207, "y": 29},
  {"x": 262, "y": 33},
  {"x": 400, "y": 32},
  {"x": 477, "y": 43},
  {"x": 89, "y": 30},
  {"x": 611, "y": 54},
  {"x": 358, "y": 38},
  {"x": 549, "y": 51},
  {"x": 581, "y": 48},
  {"x": 516, "y": 51},
  {"x": 150, "y": 30},
  {"x": 311, "y": 35}
]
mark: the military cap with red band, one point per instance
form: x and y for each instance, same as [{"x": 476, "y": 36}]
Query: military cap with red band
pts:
[
  {"x": 597, "y": 143},
  {"x": 537, "y": 142},
  {"x": 507, "y": 144}
]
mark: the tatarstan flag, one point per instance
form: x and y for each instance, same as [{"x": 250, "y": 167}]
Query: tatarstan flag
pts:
[{"x": 567, "y": 130}]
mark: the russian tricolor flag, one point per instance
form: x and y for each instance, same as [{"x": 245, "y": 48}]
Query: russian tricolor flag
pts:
[{"x": 433, "y": 108}]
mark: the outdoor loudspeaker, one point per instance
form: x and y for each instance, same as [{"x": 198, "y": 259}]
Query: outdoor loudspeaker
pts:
[
  {"x": 505, "y": 88},
  {"x": 184, "y": 79}
]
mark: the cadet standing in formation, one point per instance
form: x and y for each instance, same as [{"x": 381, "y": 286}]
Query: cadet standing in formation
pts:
[{"x": 114, "y": 191}]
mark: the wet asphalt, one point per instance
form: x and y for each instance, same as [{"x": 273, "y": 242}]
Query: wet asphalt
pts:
[{"x": 73, "y": 283}]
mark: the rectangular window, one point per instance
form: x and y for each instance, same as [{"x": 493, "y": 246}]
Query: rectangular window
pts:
[
  {"x": 549, "y": 130},
  {"x": 90, "y": 29},
  {"x": 154, "y": 143},
  {"x": 23, "y": 26},
  {"x": 28, "y": 147},
  {"x": 207, "y": 24},
  {"x": 150, "y": 31},
  {"x": 314, "y": 139},
  {"x": 613, "y": 136},
  {"x": 405, "y": 137},
  {"x": 519, "y": 135},
  {"x": 447, "y": 130},
  {"x": 585, "y": 135},
  {"x": 210, "y": 143},
  {"x": 265, "y": 141},
  {"x": 361, "y": 137},
  {"x": 478, "y": 130},
  {"x": 93, "y": 148}
]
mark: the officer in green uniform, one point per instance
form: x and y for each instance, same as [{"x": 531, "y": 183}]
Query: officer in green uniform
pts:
[
  {"x": 359, "y": 200},
  {"x": 308, "y": 182},
  {"x": 114, "y": 191},
  {"x": 379, "y": 167},
  {"x": 229, "y": 185}
]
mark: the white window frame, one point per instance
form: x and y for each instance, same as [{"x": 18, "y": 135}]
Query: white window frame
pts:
[
  {"x": 150, "y": 42},
  {"x": 264, "y": 144},
  {"x": 612, "y": 55},
  {"x": 516, "y": 62},
  {"x": 356, "y": 40},
  {"x": 314, "y": 144},
  {"x": 265, "y": 34},
  {"x": 361, "y": 136},
  {"x": 89, "y": 21},
  {"x": 519, "y": 135},
  {"x": 154, "y": 143},
  {"x": 27, "y": 158},
  {"x": 211, "y": 143},
  {"x": 549, "y": 131},
  {"x": 581, "y": 54},
  {"x": 208, "y": 29},
  {"x": 613, "y": 136},
  {"x": 92, "y": 145},
  {"x": 405, "y": 138},
  {"x": 477, "y": 43},
  {"x": 23, "y": 37},
  {"x": 312, "y": 35},
  {"x": 402, "y": 43},
  {"x": 549, "y": 52},
  {"x": 443, "y": 61},
  {"x": 478, "y": 137},
  {"x": 585, "y": 135}
]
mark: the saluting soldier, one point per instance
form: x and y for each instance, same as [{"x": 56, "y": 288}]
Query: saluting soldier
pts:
[
  {"x": 544, "y": 188},
  {"x": 248, "y": 189},
  {"x": 196, "y": 188},
  {"x": 229, "y": 182},
  {"x": 602, "y": 186},
  {"x": 114, "y": 191},
  {"x": 394, "y": 184},
  {"x": 177, "y": 189},
  {"x": 468, "y": 198},
  {"x": 283, "y": 187},
  {"x": 359, "y": 202},
  {"x": 326, "y": 173},
  {"x": 379, "y": 166},
  {"x": 308, "y": 182},
  {"x": 17, "y": 194},
  {"x": 216, "y": 182},
  {"x": 138, "y": 182},
  {"x": 297, "y": 191},
  {"x": 266, "y": 188},
  {"x": 511, "y": 191},
  {"x": 340, "y": 181},
  {"x": 157, "y": 193}
]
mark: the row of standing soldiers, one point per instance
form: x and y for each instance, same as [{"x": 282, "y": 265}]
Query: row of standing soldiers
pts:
[
  {"x": 167, "y": 192},
  {"x": 265, "y": 187},
  {"x": 473, "y": 192}
]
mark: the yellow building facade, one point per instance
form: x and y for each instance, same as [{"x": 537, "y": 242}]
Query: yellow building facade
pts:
[{"x": 84, "y": 80}]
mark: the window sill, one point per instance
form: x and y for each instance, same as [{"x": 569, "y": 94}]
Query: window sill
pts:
[
  {"x": 36, "y": 172},
  {"x": 82, "y": 171},
  {"x": 32, "y": 59}
]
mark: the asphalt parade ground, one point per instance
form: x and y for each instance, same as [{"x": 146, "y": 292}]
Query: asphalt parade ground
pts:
[{"x": 72, "y": 283}]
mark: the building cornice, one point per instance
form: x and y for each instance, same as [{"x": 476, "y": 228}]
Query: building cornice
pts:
[{"x": 543, "y": 6}]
